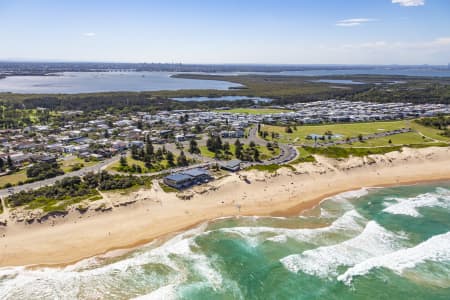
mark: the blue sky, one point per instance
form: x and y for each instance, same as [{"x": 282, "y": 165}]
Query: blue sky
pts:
[{"x": 231, "y": 31}]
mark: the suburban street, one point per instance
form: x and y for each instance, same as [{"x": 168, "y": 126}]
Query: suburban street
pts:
[
  {"x": 287, "y": 153},
  {"x": 50, "y": 181}
]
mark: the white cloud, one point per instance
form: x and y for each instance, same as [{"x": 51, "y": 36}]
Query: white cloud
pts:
[
  {"x": 353, "y": 22},
  {"x": 409, "y": 2},
  {"x": 89, "y": 34}
]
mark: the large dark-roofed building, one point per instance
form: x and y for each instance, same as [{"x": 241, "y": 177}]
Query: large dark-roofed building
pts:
[
  {"x": 185, "y": 179},
  {"x": 178, "y": 180}
]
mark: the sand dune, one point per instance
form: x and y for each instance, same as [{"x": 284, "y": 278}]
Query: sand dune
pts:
[{"x": 152, "y": 213}]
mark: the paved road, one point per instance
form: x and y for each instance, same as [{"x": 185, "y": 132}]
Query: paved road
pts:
[
  {"x": 287, "y": 153},
  {"x": 50, "y": 181}
]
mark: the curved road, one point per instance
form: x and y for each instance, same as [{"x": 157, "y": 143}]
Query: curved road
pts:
[{"x": 287, "y": 152}]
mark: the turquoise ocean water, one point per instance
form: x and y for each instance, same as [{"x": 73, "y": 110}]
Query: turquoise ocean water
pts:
[{"x": 389, "y": 243}]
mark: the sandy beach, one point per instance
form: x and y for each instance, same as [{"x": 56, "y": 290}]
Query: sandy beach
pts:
[{"x": 155, "y": 213}]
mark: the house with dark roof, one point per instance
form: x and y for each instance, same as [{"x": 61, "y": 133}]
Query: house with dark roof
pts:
[
  {"x": 231, "y": 165},
  {"x": 188, "y": 178}
]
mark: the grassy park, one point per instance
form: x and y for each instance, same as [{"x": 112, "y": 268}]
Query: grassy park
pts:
[{"x": 420, "y": 135}]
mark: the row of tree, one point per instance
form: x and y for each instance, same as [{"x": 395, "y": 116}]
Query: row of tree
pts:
[
  {"x": 43, "y": 170},
  {"x": 152, "y": 159},
  {"x": 75, "y": 187}
]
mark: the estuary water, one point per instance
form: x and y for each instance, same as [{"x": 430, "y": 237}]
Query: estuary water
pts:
[
  {"x": 92, "y": 82},
  {"x": 382, "y": 243}
]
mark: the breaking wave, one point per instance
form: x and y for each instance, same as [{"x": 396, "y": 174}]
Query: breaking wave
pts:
[
  {"x": 410, "y": 206},
  {"x": 436, "y": 249},
  {"x": 324, "y": 261}
]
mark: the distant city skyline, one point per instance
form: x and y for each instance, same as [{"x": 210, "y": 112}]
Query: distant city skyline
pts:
[{"x": 382, "y": 32}]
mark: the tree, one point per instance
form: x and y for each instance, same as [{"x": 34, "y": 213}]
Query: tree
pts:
[
  {"x": 252, "y": 144},
  {"x": 170, "y": 158},
  {"x": 360, "y": 137},
  {"x": 123, "y": 161},
  {"x": 148, "y": 161},
  {"x": 197, "y": 128},
  {"x": 193, "y": 147},
  {"x": 43, "y": 170},
  {"x": 9, "y": 163},
  {"x": 214, "y": 144},
  {"x": 288, "y": 129},
  {"x": 2, "y": 164},
  {"x": 182, "y": 160},
  {"x": 159, "y": 155},
  {"x": 238, "y": 149},
  {"x": 256, "y": 154},
  {"x": 149, "y": 150},
  {"x": 226, "y": 146},
  {"x": 134, "y": 152}
]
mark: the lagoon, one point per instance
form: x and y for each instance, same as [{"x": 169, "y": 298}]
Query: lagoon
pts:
[
  {"x": 337, "y": 81},
  {"x": 94, "y": 82}
]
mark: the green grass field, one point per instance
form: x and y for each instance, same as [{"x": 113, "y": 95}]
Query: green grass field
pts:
[
  {"x": 13, "y": 179},
  {"x": 340, "y": 152},
  {"x": 67, "y": 164},
  {"x": 354, "y": 129},
  {"x": 255, "y": 111},
  {"x": 303, "y": 156}
]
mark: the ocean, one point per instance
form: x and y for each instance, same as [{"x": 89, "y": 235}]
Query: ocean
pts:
[{"x": 380, "y": 243}]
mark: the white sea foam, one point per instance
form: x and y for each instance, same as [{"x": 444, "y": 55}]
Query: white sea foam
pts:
[
  {"x": 437, "y": 249},
  {"x": 167, "y": 292},
  {"x": 278, "y": 238},
  {"x": 346, "y": 225},
  {"x": 50, "y": 282},
  {"x": 349, "y": 195},
  {"x": 325, "y": 213},
  {"x": 324, "y": 261},
  {"x": 409, "y": 206}
]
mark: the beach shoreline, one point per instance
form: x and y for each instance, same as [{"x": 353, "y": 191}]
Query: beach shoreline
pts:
[{"x": 65, "y": 241}]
